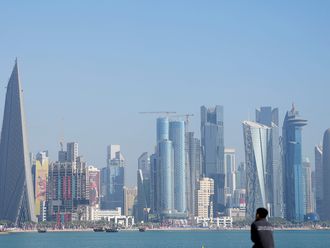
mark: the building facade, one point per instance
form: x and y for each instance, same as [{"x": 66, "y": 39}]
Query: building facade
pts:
[
  {"x": 16, "y": 189},
  {"x": 204, "y": 195},
  {"x": 318, "y": 151},
  {"x": 326, "y": 175},
  {"x": 256, "y": 139},
  {"x": 212, "y": 140},
  {"x": 292, "y": 165}
]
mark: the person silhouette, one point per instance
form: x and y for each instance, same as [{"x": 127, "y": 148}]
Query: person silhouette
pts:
[{"x": 262, "y": 230}]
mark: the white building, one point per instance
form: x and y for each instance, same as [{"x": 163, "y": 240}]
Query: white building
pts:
[{"x": 203, "y": 198}]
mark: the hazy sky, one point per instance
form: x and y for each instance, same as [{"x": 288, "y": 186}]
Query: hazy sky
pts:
[{"x": 88, "y": 68}]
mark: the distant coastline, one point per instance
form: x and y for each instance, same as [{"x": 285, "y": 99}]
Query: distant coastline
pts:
[{"x": 164, "y": 229}]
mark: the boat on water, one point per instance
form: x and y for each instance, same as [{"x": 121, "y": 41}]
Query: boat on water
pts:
[
  {"x": 98, "y": 229},
  {"x": 142, "y": 229},
  {"x": 42, "y": 230},
  {"x": 112, "y": 229}
]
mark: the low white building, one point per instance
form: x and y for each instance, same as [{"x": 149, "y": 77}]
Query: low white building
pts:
[
  {"x": 93, "y": 213},
  {"x": 219, "y": 222}
]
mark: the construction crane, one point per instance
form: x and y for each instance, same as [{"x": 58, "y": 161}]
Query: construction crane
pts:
[
  {"x": 167, "y": 113},
  {"x": 187, "y": 116}
]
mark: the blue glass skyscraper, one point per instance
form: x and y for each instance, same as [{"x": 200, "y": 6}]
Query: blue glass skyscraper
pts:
[
  {"x": 212, "y": 134},
  {"x": 293, "y": 170},
  {"x": 177, "y": 136}
]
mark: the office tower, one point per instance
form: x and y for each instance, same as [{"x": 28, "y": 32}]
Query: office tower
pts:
[
  {"x": 193, "y": 169},
  {"x": 143, "y": 187},
  {"x": 212, "y": 138},
  {"x": 165, "y": 159},
  {"x": 256, "y": 139},
  {"x": 162, "y": 129},
  {"x": 155, "y": 193},
  {"x": 308, "y": 191},
  {"x": 40, "y": 182},
  {"x": 204, "y": 195},
  {"x": 16, "y": 189},
  {"x": 66, "y": 190},
  {"x": 241, "y": 176},
  {"x": 177, "y": 136},
  {"x": 103, "y": 185},
  {"x": 111, "y": 152},
  {"x": 72, "y": 151},
  {"x": 230, "y": 170},
  {"x": 292, "y": 165},
  {"x": 93, "y": 185},
  {"x": 326, "y": 176},
  {"x": 129, "y": 200},
  {"x": 115, "y": 180},
  {"x": 318, "y": 179},
  {"x": 269, "y": 117}
]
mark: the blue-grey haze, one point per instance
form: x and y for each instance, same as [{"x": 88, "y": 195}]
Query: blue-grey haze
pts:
[{"x": 88, "y": 68}]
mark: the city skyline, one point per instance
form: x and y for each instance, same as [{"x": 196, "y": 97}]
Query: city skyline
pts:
[{"x": 114, "y": 60}]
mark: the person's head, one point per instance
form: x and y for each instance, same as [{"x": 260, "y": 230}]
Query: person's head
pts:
[{"x": 261, "y": 213}]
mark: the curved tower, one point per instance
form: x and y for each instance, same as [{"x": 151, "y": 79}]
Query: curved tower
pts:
[{"x": 16, "y": 190}]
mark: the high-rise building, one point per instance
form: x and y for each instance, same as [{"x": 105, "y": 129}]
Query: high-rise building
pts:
[
  {"x": 177, "y": 136},
  {"x": 16, "y": 189},
  {"x": 230, "y": 170},
  {"x": 241, "y": 176},
  {"x": 212, "y": 138},
  {"x": 40, "y": 182},
  {"x": 115, "y": 180},
  {"x": 93, "y": 185},
  {"x": 165, "y": 159},
  {"x": 193, "y": 169},
  {"x": 308, "y": 191},
  {"x": 67, "y": 188},
  {"x": 111, "y": 152},
  {"x": 204, "y": 195},
  {"x": 256, "y": 139},
  {"x": 292, "y": 165},
  {"x": 72, "y": 151},
  {"x": 318, "y": 151},
  {"x": 326, "y": 175},
  {"x": 269, "y": 117},
  {"x": 129, "y": 200},
  {"x": 143, "y": 187}
]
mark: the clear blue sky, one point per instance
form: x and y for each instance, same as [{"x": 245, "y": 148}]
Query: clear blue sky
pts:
[{"x": 89, "y": 67}]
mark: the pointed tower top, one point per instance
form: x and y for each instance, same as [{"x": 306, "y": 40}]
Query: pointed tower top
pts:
[{"x": 293, "y": 108}]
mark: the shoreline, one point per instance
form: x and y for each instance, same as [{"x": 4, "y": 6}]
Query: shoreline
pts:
[{"x": 163, "y": 230}]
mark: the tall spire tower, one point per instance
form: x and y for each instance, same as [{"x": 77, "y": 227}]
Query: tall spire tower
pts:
[{"x": 16, "y": 190}]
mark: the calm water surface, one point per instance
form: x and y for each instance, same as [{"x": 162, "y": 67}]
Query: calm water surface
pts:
[{"x": 184, "y": 239}]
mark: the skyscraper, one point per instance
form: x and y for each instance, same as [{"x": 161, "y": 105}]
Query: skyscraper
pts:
[
  {"x": 326, "y": 176},
  {"x": 319, "y": 179},
  {"x": 41, "y": 176},
  {"x": 269, "y": 117},
  {"x": 193, "y": 169},
  {"x": 129, "y": 200},
  {"x": 308, "y": 191},
  {"x": 256, "y": 139},
  {"x": 292, "y": 165},
  {"x": 72, "y": 151},
  {"x": 203, "y": 194},
  {"x": 230, "y": 170},
  {"x": 115, "y": 180},
  {"x": 212, "y": 134},
  {"x": 177, "y": 136},
  {"x": 165, "y": 159},
  {"x": 143, "y": 187},
  {"x": 16, "y": 190}
]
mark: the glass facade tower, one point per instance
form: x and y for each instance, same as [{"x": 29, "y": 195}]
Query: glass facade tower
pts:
[
  {"x": 256, "y": 140},
  {"x": 292, "y": 165},
  {"x": 212, "y": 141}
]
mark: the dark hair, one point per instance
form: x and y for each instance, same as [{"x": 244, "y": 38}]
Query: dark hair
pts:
[{"x": 262, "y": 212}]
